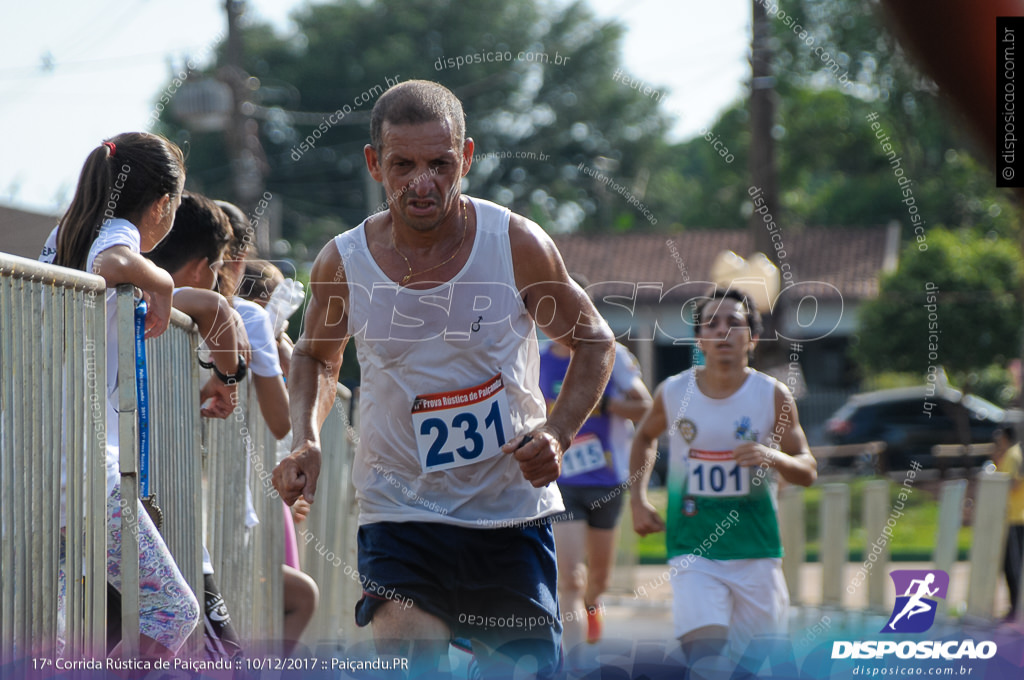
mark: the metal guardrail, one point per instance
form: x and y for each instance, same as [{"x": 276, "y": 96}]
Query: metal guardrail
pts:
[
  {"x": 52, "y": 397},
  {"x": 247, "y": 562},
  {"x": 128, "y": 438},
  {"x": 327, "y": 539},
  {"x": 239, "y": 451},
  {"x": 53, "y": 348},
  {"x": 176, "y": 444}
]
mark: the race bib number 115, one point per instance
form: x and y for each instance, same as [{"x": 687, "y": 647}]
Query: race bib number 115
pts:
[
  {"x": 585, "y": 455},
  {"x": 462, "y": 427}
]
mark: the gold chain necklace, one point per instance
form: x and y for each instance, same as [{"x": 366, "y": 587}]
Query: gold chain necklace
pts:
[{"x": 405, "y": 279}]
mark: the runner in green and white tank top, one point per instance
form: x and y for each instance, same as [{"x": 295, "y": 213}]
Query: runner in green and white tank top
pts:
[
  {"x": 705, "y": 482},
  {"x": 732, "y": 432}
]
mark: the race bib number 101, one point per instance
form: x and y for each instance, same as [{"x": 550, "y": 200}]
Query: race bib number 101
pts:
[
  {"x": 715, "y": 473},
  {"x": 462, "y": 427}
]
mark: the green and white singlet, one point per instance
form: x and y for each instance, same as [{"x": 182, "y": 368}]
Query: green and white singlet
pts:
[{"x": 717, "y": 509}]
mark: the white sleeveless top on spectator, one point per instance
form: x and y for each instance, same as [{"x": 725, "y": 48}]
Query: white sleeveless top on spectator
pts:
[
  {"x": 116, "y": 232},
  {"x": 49, "y": 253},
  {"x": 449, "y": 374},
  {"x": 265, "y": 361}
]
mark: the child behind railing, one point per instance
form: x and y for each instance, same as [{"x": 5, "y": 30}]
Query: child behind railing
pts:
[
  {"x": 193, "y": 254},
  {"x": 124, "y": 205},
  {"x": 273, "y": 348}
]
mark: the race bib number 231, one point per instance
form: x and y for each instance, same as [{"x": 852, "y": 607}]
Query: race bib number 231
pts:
[{"x": 461, "y": 427}]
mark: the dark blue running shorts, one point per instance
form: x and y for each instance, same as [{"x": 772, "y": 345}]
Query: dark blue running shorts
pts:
[{"x": 493, "y": 586}]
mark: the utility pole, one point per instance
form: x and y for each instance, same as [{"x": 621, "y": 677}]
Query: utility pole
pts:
[
  {"x": 762, "y": 115},
  {"x": 248, "y": 164},
  {"x": 762, "y": 160}
]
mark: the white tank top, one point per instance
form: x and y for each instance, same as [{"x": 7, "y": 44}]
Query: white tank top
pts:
[
  {"x": 449, "y": 374},
  {"x": 705, "y": 485}
]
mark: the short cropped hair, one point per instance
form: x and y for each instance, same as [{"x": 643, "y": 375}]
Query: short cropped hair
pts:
[
  {"x": 417, "y": 101},
  {"x": 753, "y": 316},
  {"x": 201, "y": 229}
]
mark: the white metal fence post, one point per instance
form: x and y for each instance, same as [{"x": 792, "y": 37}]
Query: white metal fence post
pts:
[{"x": 52, "y": 399}]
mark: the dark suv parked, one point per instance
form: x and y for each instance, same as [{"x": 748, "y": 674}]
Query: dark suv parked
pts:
[{"x": 911, "y": 420}]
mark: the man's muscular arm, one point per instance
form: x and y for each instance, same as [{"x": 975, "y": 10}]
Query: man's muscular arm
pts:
[
  {"x": 548, "y": 293},
  {"x": 316, "y": 361}
]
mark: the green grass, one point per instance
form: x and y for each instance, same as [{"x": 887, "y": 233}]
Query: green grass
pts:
[{"x": 913, "y": 536}]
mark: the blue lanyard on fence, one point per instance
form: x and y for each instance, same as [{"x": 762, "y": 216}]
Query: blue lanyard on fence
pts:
[{"x": 142, "y": 392}]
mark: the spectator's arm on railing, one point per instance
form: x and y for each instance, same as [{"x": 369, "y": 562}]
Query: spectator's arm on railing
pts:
[
  {"x": 273, "y": 398},
  {"x": 118, "y": 264},
  {"x": 221, "y": 328},
  {"x": 272, "y": 391},
  {"x": 284, "y": 353}
]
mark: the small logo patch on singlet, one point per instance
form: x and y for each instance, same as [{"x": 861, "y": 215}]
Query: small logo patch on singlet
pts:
[
  {"x": 688, "y": 429},
  {"x": 745, "y": 430},
  {"x": 689, "y": 506}
]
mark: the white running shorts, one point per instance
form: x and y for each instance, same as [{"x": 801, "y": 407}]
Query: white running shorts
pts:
[{"x": 749, "y": 597}]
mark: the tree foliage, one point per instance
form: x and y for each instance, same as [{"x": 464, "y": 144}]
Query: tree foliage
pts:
[
  {"x": 832, "y": 171},
  {"x": 956, "y": 304},
  {"x": 560, "y": 109}
]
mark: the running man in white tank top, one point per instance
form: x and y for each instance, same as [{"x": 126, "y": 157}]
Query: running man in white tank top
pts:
[
  {"x": 456, "y": 462},
  {"x": 731, "y": 431}
]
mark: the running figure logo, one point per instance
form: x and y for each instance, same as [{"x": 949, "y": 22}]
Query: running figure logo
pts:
[{"x": 914, "y": 611}]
